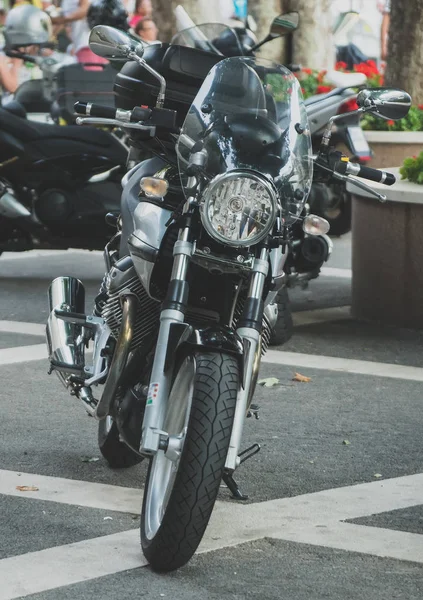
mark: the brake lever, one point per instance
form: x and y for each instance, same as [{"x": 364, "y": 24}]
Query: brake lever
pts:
[
  {"x": 360, "y": 184},
  {"x": 116, "y": 123},
  {"x": 346, "y": 178}
]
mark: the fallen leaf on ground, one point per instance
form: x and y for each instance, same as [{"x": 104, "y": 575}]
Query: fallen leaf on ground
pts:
[
  {"x": 302, "y": 378},
  {"x": 27, "y": 488},
  {"x": 269, "y": 382},
  {"x": 378, "y": 475},
  {"x": 107, "y": 518},
  {"x": 87, "y": 459},
  {"x": 346, "y": 443}
]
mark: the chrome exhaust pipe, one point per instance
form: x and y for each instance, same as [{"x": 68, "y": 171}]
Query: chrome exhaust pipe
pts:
[
  {"x": 120, "y": 356},
  {"x": 64, "y": 337}
]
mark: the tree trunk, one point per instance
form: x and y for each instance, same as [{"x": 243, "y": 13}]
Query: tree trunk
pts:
[
  {"x": 200, "y": 11},
  {"x": 405, "y": 48},
  {"x": 312, "y": 43},
  {"x": 263, "y": 12}
]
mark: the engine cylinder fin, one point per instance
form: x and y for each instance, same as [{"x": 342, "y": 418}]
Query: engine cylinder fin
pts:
[{"x": 147, "y": 315}]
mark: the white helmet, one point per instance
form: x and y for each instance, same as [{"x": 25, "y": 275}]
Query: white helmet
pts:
[{"x": 27, "y": 25}]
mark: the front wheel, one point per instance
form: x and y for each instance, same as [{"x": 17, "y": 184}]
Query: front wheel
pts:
[{"x": 180, "y": 491}]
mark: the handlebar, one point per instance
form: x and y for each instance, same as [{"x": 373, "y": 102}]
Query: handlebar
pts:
[
  {"x": 135, "y": 115},
  {"x": 368, "y": 173}
]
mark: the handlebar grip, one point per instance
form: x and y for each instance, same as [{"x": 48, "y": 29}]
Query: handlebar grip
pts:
[
  {"x": 368, "y": 173},
  {"x": 95, "y": 110},
  {"x": 376, "y": 175}
]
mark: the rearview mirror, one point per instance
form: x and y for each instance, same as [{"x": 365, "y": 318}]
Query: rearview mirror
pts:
[
  {"x": 281, "y": 25},
  {"x": 387, "y": 103},
  {"x": 109, "y": 42},
  {"x": 284, "y": 24}
]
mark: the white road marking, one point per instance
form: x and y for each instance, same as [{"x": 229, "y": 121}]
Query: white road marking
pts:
[
  {"x": 20, "y": 354},
  {"x": 72, "y": 491},
  {"x": 64, "y": 565},
  {"x": 343, "y": 365},
  {"x": 21, "y": 327},
  {"x": 335, "y": 272},
  {"x": 311, "y": 519},
  {"x": 37, "y": 253},
  {"x": 319, "y": 315}
]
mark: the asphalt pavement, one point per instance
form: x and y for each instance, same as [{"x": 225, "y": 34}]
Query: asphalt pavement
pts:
[{"x": 335, "y": 506}]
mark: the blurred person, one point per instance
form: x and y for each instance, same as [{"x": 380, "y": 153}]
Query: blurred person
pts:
[
  {"x": 143, "y": 10},
  {"x": 386, "y": 20},
  {"x": 26, "y": 28},
  {"x": 147, "y": 30},
  {"x": 74, "y": 14}
]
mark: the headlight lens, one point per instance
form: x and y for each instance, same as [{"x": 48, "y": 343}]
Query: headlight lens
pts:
[{"x": 239, "y": 208}]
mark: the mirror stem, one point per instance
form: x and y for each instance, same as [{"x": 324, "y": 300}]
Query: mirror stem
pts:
[
  {"x": 162, "y": 80},
  {"x": 327, "y": 134}
]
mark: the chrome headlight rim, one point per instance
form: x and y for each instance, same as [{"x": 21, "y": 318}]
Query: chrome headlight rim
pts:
[{"x": 236, "y": 173}]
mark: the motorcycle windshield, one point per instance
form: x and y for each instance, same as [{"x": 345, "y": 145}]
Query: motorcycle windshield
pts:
[
  {"x": 212, "y": 37},
  {"x": 249, "y": 115}
]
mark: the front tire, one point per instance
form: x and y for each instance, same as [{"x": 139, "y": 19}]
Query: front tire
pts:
[{"x": 179, "y": 495}]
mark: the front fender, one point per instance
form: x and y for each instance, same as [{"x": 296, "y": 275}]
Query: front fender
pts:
[{"x": 183, "y": 338}]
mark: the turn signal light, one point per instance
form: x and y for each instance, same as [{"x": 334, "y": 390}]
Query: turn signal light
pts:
[
  {"x": 314, "y": 225},
  {"x": 153, "y": 187}
]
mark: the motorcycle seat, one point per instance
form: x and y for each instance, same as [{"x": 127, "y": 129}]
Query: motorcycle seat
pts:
[
  {"x": 31, "y": 131},
  {"x": 321, "y": 97}
]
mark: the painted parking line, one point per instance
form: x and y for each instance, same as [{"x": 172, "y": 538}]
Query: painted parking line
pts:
[
  {"x": 343, "y": 365},
  {"x": 36, "y": 352},
  {"x": 319, "y": 315},
  {"x": 22, "y": 327},
  {"x": 29, "y": 254},
  {"x": 314, "y": 518},
  {"x": 335, "y": 272},
  {"x": 72, "y": 491},
  {"x": 21, "y": 354},
  {"x": 306, "y": 317},
  {"x": 65, "y": 565}
]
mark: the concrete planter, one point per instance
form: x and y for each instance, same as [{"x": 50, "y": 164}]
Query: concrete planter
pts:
[
  {"x": 391, "y": 147},
  {"x": 387, "y": 244}
]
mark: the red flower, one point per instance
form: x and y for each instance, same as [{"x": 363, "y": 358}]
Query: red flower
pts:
[
  {"x": 307, "y": 71},
  {"x": 390, "y": 123},
  {"x": 340, "y": 66},
  {"x": 323, "y": 89},
  {"x": 320, "y": 76},
  {"x": 303, "y": 91},
  {"x": 420, "y": 106},
  {"x": 348, "y": 106}
]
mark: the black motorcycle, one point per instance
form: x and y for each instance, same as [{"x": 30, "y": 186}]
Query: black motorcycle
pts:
[
  {"x": 56, "y": 184},
  {"x": 332, "y": 200},
  {"x": 182, "y": 318}
]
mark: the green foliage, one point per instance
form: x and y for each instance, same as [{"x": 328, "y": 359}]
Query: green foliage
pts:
[
  {"x": 412, "y": 122},
  {"x": 412, "y": 169}
]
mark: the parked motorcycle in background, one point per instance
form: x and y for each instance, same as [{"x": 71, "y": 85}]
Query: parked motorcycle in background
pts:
[{"x": 181, "y": 322}]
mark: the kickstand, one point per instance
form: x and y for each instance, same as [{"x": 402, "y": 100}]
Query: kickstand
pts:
[
  {"x": 228, "y": 479},
  {"x": 230, "y": 482}
]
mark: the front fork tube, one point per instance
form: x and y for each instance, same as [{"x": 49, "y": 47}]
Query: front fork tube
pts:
[
  {"x": 249, "y": 330},
  {"x": 173, "y": 312}
]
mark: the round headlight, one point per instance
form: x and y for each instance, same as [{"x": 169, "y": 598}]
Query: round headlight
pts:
[{"x": 239, "y": 208}]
